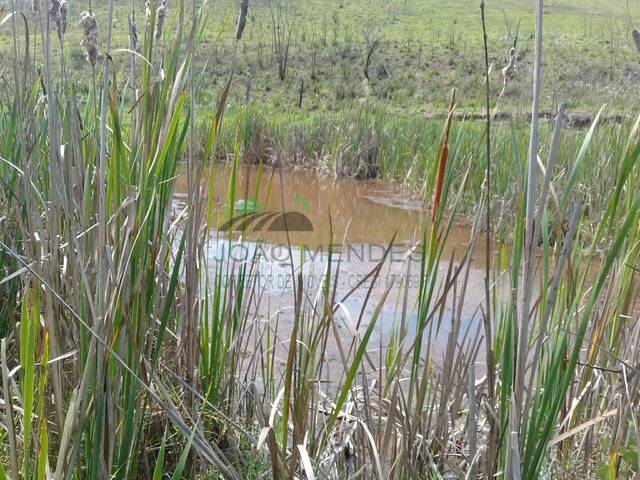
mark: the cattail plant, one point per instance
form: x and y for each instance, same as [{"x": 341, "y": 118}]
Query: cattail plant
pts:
[
  {"x": 90, "y": 36},
  {"x": 161, "y": 13},
  {"x": 62, "y": 18},
  {"x": 113, "y": 302},
  {"x": 133, "y": 34},
  {"x": 509, "y": 70},
  {"x": 508, "y": 74},
  {"x": 242, "y": 18},
  {"x": 442, "y": 159},
  {"x": 54, "y": 8},
  {"x": 58, "y": 12}
]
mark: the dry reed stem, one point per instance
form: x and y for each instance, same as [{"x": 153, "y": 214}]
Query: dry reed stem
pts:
[
  {"x": 529, "y": 255},
  {"x": 242, "y": 18},
  {"x": 133, "y": 34},
  {"x": 508, "y": 72}
]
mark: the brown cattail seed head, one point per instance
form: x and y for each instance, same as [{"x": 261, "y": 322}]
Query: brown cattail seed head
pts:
[
  {"x": 58, "y": 13},
  {"x": 161, "y": 13},
  {"x": 636, "y": 39},
  {"x": 242, "y": 18},
  {"x": 54, "y": 9},
  {"x": 61, "y": 20},
  {"x": 90, "y": 36}
]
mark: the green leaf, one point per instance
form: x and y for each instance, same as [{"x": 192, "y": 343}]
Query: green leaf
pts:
[
  {"x": 30, "y": 321},
  {"x": 580, "y": 159},
  {"x": 157, "y": 469},
  {"x": 177, "y": 473}
]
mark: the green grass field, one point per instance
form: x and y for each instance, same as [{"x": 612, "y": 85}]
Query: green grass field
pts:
[{"x": 425, "y": 49}]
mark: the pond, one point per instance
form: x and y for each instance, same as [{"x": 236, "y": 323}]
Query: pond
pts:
[{"x": 357, "y": 220}]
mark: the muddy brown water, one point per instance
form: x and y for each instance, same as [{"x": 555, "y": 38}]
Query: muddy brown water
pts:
[
  {"x": 357, "y": 220},
  {"x": 339, "y": 211}
]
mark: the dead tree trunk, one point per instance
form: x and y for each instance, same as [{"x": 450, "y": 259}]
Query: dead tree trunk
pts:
[
  {"x": 282, "y": 20},
  {"x": 371, "y": 48}
]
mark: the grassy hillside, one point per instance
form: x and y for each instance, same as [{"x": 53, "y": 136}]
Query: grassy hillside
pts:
[{"x": 424, "y": 48}]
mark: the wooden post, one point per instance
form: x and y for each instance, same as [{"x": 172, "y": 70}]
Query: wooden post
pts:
[{"x": 301, "y": 93}]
